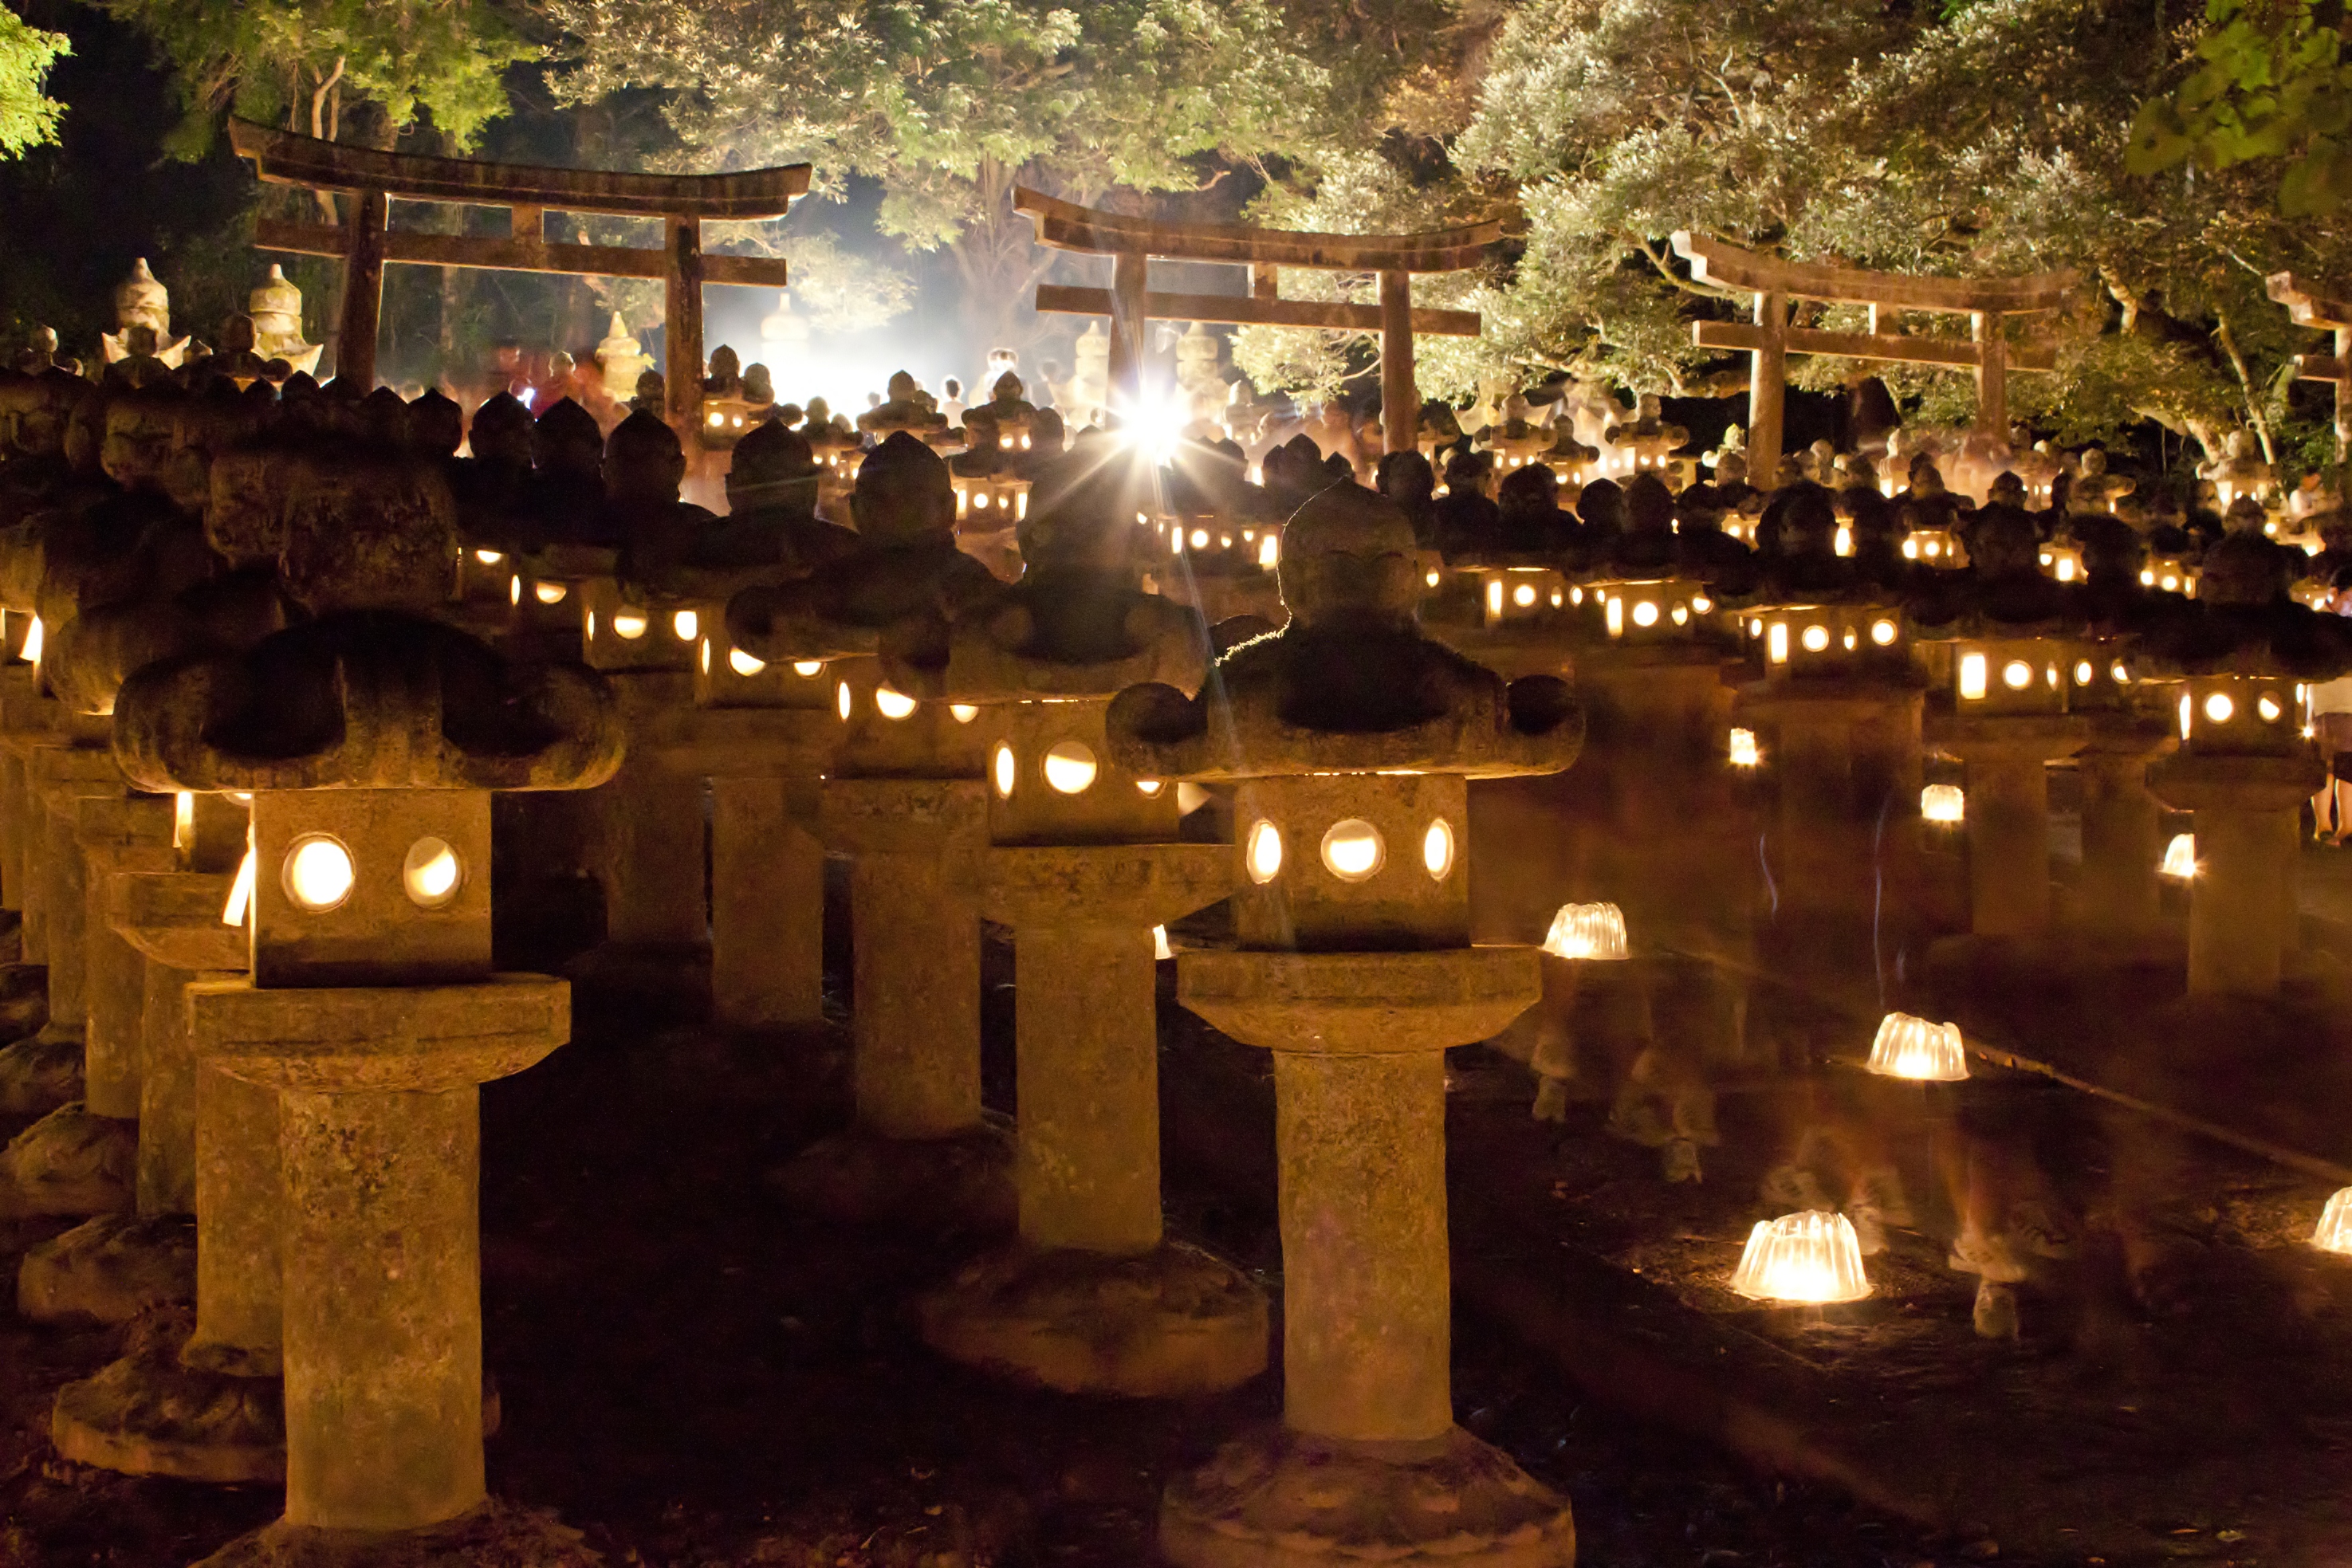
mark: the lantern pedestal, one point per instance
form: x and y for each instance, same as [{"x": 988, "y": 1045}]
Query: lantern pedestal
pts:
[
  {"x": 378, "y": 1099},
  {"x": 767, "y": 866},
  {"x": 41, "y": 1074},
  {"x": 1093, "y": 1299},
  {"x": 650, "y": 825},
  {"x": 2116, "y": 892},
  {"x": 210, "y": 1408},
  {"x": 116, "y": 1267},
  {"x": 2008, "y": 812},
  {"x": 1367, "y": 1463},
  {"x": 26, "y": 718},
  {"x": 2241, "y": 907},
  {"x": 922, "y": 1152}
]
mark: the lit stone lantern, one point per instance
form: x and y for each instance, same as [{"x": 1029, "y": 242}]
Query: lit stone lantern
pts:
[
  {"x": 649, "y": 816},
  {"x": 1216, "y": 563},
  {"x": 1083, "y": 862},
  {"x": 2242, "y": 765},
  {"x": 372, "y": 741},
  {"x": 27, "y": 713},
  {"x": 2170, "y": 574},
  {"x": 905, "y": 792},
  {"x": 1352, "y": 738}
]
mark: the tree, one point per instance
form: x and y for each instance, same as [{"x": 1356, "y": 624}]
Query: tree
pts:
[
  {"x": 27, "y": 119},
  {"x": 2272, "y": 84},
  {"x": 359, "y": 69},
  {"x": 951, "y": 103}
]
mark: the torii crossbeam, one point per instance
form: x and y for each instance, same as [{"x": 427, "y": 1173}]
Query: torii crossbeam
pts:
[
  {"x": 2309, "y": 307},
  {"x": 365, "y": 245},
  {"x": 1132, "y": 242},
  {"x": 1986, "y": 302}
]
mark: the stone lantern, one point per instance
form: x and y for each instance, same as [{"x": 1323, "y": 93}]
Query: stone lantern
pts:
[
  {"x": 2242, "y": 764},
  {"x": 1350, "y": 738},
  {"x": 372, "y": 741},
  {"x": 141, "y": 301},
  {"x": 904, "y": 793},
  {"x": 1083, "y": 862}
]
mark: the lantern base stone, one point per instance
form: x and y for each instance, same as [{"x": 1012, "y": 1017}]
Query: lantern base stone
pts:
[
  {"x": 112, "y": 1268},
  {"x": 1281, "y": 1499},
  {"x": 494, "y": 1535},
  {"x": 39, "y": 1074},
  {"x": 69, "y": 1161},
  {"x": 1167, "y": 1324},
  {"x": 857, "y": 1176},
  {"x": 149, "y": 1415}
]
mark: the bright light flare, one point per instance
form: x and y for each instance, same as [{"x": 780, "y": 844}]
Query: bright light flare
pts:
[
  {"x": 1811, "y": 1258},
  {"x": 1587, "y": 931},
  {"x": 2335, "y": 1233},
  {"x": 240, "y": 891},
  {"x": 1912, "y": 1048},
  {"x": 2180, "y": 858},
  {"x": 1944, "y": 803}
]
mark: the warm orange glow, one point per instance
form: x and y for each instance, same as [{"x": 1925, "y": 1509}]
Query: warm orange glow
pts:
[
  {"x": 1744, "y": 752},
  {"x": 1813, "y": 1258},
  {"x": 2180, "y": 858},
  {"x": 1352, "y": 849},
  {"x": 2335, "y": 1233},
  {"x": 1912, "y": 1048},
  {"x": 1943, "y": 803},
  {"x": 318, "y": 875},
  {"x": 1265, "y": 852},
  {"x": 1587, "y": 931},
  {"x": 240, "y": 891}
]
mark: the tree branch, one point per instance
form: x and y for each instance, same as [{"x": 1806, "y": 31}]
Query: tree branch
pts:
[{"x": 2229, "y": 341}]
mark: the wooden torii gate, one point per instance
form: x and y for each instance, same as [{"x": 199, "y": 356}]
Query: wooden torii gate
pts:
[
  {"x": 1132, "y": 242},
  {"x": 2309, "y": 307},
  {"x": 370, "y": 180},
  {"x": 1769, "y": 339}
]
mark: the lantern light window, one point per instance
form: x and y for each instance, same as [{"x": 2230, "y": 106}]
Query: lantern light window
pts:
[
  {"x": 1744, "y": 752},
  {"x": 1352, "y": 849},
  {"x": 841, "y": 699},
  {"x": 2219, "y": 708},
  {"x": 1973, "y": 668},
  {"x": 1070, "y": 768},
  {"x": 431, "y": 874},
  {"x": 318, "y": 875},
  {"x": 687, "y": 624},
  {"x": 1816, "y": 639},
  {"x": 2180, "y": 858},
  {"x": 2335, "y": 1233},
  {"x": 963, "y": 713},
  {"x": 2017, "y": 674},
  {"x": 743, "y": 664},
  {"x": 1646, "y": 612},
  {"x": 628, "y": 623},
  {"x": 549, "y": 592},
  {"x": 1265, "y": 852},
  {"x": 1943, "y": 803},
  {"x": 2268, "y": 706},
  {"x": 240, "y": 891},
  {"x": 892, "y": 704},
  {"x": 1437, "y": 849},
  {"x": 1883, "y": 633},
  {"x": 809, "y": 669},
  {"x": 1006, "y": 768}
]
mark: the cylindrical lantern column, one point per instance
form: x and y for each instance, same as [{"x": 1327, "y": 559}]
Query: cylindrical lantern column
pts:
[{"x": 2123, "y": 824}]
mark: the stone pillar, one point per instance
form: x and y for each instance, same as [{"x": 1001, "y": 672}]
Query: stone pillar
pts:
[
  {"x": 2008, "y": 813},
  {"x": 240, "y": 1198},
  {"x": 2123, "y": 837},
  {"x": 916, "y": 1005},
  {"x": 651, "y": 830},
  {"x": 767, "y": 908},
  {"x": 1367, "y": 1301},
  {"x": 2241, "y": 911},
  {"x": 383, "y": 1309},
  {"x": 167, "y": 1093},
  {"x": 1088, "y": 1164}
]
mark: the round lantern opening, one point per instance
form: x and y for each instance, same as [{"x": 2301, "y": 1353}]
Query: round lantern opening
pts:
[
  {"x": 432, "y": 873},
  {"x": 318, "y": 873},
  {"x": 963, "y": 713},
  {"x": 2017, "y": 674},
  {"x": 2218, "y": 707},
  {"x": 841, "y": 700},
  {"x": 1352, "y": 849},
  {"x": 1646, "y": 612},
  {"x": 743, "y": 664},
  {"x": 628, "y": 623},
  {"x": 891, "y": 703},
  {"x": 2268, "y": 708},
  {"x": 1437, "y": 849},
  {"x": 1882, "y": 632},
  {"x": 809, "y": 669},
  {"x": 1005, "y": 769},
  {"x": 1815, "y": 638},
  {"x": 1524, "y": 595},
  {"x": 703, "y": 654},
  {"x": 687, "y": 624},
  {"x": 514, "y": 591},
  {"x": 488, "y": 557},
  {"x": 1070, "y": 768},
  {"x": 2083, "y": 672},
  {"x": 2121, "y": 674},
  {"x": 549, "y": 592},
  {"x": 1681, "y": 615},
  {"x": 1264, "y": 853},
  {"x": 1200, "y": 538},
  {"x": 1150, "y": 788}
]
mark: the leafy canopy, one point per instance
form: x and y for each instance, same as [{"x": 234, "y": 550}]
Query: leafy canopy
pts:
[
  {"x": 27, "y": 118},
  {"x": 2271, "y": 83}
]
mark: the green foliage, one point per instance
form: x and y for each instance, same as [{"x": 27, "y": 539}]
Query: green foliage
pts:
[
  {"x": 300, "y": 63},
  {"x": 27, "y": 119},
  {"x": 2272, "y": 85},
  {"x": 833, "y": 290}
]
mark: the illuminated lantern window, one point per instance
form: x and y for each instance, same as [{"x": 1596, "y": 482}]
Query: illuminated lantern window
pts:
[
  {"x": 2335, "y": 1233},
  {"x": 1006, "y": 769},
  {"x": 318, "y": 873},
  {"x": 2268, "y": 708},
  {"x": 1437, "y": 849},
  {"x": 184, "y": 819},
  {"x": 743, "y": 664},
  {"x": 2218, "y": 707},
  {"x": 1200, "y": 538},
  {"x": 1812, "y": 1258},
  {"x": 1615, "y": 615},
  {"x": 687, "y": 624},
  {"x": 1269, "y": 551},
  {"x": 431, "y": 874},
  {"x": 1973, "y": 667},
  {"x": 488, "y": 557},
  {"x": 892, "y": 704},
  {"x": 1883, "y": 633},
  {"x": 33, "y": 639},
  {"x": 1776, "y": 644},
  {"x": 2122, "y": 674},
  {"x": 240, "y": 892},
  {"x": 1756, "y": 626},
  {"x": 1943, "y": 803},
  {"x": 1160, "y": 948},
  {"x": 1430, "y": 580},
  {"x": 2050, "y": 676},
  {"x": 1070, "y": 768},
  {"x": 1681, "y": 615},
  {"x": 2180, "y": 858},
  {"x": 1912, "y": 1048},
  {"x": 1575, "y": 596},
  {"x": 809, "y": 669},
  {"x": 1744, "y": 752},
  {"x": 1587, "y": 931},
  {"x": 841, "y": 700},
  {"x": 628, "y": 623},
  {"x": 1850, "y": 640},
  {"x": 2186, "y": 709},
  {"x": 705, "y": 656},
  {"x": 1646, "y": 613},
  {"x": 963, "y": 713},
  {"x": 1556, "y": 599},
  {"x": 1150, "y": 788},
  {"x": 1816, "y": 639},
  {"x": 2017, "y": 674},
  {"x": 1701, "y": 605},
  {"x": 2084, "y": 674},
  {"x": 549, "y": 592},
  {"x": 1525, "y": 595},
  {"x": 1352, "y": 849},
  {"x": 514, "y": 591},
  {"x": 1495, "y": 598},
  {"x": 1265, "y": 852}
]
